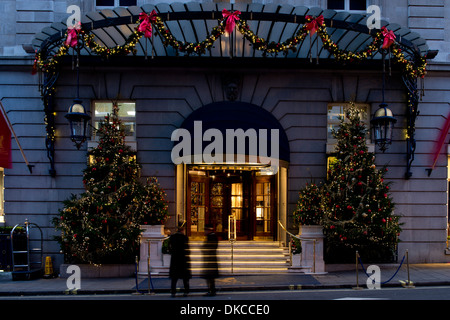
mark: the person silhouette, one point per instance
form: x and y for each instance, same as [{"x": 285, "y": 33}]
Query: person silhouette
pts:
[
  {"x": 210, "y": 265},
  {"x": 179, "y": 263}
]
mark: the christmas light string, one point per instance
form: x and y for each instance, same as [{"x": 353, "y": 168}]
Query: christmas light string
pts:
[{"x": 412, "y": 68}]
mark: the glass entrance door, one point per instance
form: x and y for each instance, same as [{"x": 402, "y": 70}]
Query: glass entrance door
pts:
[
  {"x": 213, "y": 196},
  {"x": 198, "y": 206},
  {"x": 263, "y": 195}
]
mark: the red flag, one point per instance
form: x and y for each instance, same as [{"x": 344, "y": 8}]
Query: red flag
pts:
[
  {"x": 441, "y": 141},
  {"x": 5, "y": 143}
]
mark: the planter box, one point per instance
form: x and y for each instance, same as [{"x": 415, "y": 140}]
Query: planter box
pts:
[
  {"x": 100, "y": 271},
  {"x": 297, "y": 265},
  {"x": 312, "y": 254},
  {"x": 151, "y": 246}
]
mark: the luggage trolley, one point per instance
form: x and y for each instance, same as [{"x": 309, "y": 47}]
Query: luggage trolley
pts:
[{"x": 26, "y": 261}]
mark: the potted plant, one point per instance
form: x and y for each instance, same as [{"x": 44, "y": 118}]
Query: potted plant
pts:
[
  {"x": 155, "y": 212},
  {"x": 309, "y": 211},
  {"x": 308, "y": 215},
  {"x": 154, "y": 206}
]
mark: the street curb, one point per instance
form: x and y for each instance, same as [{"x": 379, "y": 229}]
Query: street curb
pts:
[{"x": 219, "y": 289}]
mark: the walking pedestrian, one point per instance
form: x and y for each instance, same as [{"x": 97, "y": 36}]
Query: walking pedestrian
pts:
[
  {"x": 210, "y": 265},
  {"x": 179, "y": 263}
]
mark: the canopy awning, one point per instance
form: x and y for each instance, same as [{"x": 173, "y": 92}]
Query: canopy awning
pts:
[
  {"x": 227, "y": 115},
  {"x": 278, "y": 31}
]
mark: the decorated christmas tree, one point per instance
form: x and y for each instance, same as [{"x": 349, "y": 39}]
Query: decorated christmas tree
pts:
[
  {"x": 358, "y": 210},
  {"x": 102, "y": 225},
  {"x": 309, "y": 210}
]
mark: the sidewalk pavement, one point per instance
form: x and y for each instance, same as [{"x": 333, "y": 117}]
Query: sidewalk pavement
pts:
[{"x": 436, "y": 274}]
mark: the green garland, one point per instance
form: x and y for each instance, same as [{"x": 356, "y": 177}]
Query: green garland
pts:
[{"x": 411, "y": 68}]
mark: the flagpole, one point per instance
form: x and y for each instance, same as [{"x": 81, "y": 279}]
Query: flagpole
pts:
[{"x": 30, "y": 167}]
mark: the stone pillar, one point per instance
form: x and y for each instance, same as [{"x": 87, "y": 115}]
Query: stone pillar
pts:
[
  {"x": 312, "y": 256},
  {"x": 152, "y": 237}
]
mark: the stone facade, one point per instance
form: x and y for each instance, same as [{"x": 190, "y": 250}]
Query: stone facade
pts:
[{"x": 165, "y": 96}]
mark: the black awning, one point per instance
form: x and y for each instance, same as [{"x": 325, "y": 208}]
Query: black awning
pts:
[
  {"x": 230, "y": 115},
  {"x": 191, "y": 25}
]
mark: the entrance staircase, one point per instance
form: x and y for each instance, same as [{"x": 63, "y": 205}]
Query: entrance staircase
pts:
[{"x": 247, "y": 257}]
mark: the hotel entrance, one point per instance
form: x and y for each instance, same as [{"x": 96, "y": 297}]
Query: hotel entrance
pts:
[
  {"x": 244, "y": 176},
  {"x": 215, "y": 194}
]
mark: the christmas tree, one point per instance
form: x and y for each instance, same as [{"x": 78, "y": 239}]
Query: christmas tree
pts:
[
  {"x": 309, "y": 210},
  {"x": 102, "y": 225},
  {"x": 358, "y": 210}
]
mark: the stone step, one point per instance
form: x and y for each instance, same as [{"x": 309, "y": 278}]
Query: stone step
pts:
[{"x": 248, "y": 257}]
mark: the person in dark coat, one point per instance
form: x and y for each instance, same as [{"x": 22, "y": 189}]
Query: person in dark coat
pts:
[
  {"x": 210, "y": 265},
  {"x": 179, "y": 263}
]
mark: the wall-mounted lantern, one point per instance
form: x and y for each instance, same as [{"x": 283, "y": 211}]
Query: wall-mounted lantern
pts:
[
  {"x": 383, "y": 126},
  {"x": 78, "y": 119}
]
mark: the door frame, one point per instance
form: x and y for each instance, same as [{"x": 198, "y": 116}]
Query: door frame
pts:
[
  {"x": 201, "y": 179},
  {"x": 249, "y": 179},
  {"x": 273, "y": 209}
]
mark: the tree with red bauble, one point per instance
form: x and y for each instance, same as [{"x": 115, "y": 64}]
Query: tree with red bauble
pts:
[
  {"x": 358, "y": 209},
  {"x": 102, "y": 225}
]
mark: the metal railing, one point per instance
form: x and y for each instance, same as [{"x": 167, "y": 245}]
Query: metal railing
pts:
[
  {"x": 291, "y": 235},
  {"x": 232, "y": 234}
]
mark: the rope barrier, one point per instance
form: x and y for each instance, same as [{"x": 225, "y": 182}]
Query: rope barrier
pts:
[
  {"x": 136, "y": 274},
  {"x": 401, "y": 263}
]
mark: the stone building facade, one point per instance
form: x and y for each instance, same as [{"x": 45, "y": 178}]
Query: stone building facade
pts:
[{"x": 163, "y": 93}]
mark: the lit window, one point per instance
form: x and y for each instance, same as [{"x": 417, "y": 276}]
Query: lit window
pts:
[
  {"x": 337, "y": 111},
  {"x": 127, "y": 114},
  {"x": 347, "y": 5},
  {"x": 115, "y": 3}
]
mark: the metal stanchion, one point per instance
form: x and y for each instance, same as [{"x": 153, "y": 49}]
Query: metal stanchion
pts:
[
  {"x": 314, "y": 255},
  {"x": 409, "y": 284},
  {"x": 148, "y": 269},
  {"x": 357, "y": 272},
  {"x": 136, "y": 275}
]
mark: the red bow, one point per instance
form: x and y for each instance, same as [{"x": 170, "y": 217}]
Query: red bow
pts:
[
  {"x": 146, "y": 24},
  {"x": 232, "y": 17},
  {"x": 72, "y": 35},
  {"x": 314, "y": 24},
  {"x": 389, "y": 37}
]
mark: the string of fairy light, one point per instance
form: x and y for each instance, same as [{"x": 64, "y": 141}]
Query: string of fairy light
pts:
[
  {"x": 87, "y": 39},
  {"x": 413, "y": 69}
]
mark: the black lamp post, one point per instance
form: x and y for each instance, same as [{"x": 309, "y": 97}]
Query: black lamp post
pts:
[
  {"x": 77, "y": 116},
  {"x": 383, "y": 121}
]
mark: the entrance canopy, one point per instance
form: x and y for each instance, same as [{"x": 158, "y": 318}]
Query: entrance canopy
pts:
[
  {"x": 278, "y": 31},
  {"x": 311, "y": 37},
  {"x": 234, "y": 120}
]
